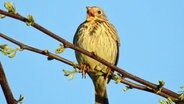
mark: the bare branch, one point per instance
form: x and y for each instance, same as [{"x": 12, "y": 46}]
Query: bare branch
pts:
[
  {"x": 142, "y": 87},
  {"x": 53, "y": 56},
  {"x": 5, "y": 87},
  {"x": 36, "y": 50}
]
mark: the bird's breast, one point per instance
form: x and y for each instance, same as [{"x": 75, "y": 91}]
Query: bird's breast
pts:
[{"x": 97, "y": 39}]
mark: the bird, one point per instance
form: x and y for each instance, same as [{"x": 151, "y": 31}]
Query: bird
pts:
[{"x": 98, "y": 36}]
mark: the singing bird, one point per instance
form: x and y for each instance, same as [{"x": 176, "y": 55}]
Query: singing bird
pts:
[{"x": 97, "y": 35}]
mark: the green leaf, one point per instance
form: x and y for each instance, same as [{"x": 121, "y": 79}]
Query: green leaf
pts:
[
  {"x": 125, "y": 89},
  {"x": 160, "y": 85},
  {"x": 71, "y": 76},
  {"x": 161, "y": 101},
  {"x": 4, "y": 49},
  {"x": 181, "y": 97},
  {"x": 2, "y": 16},
  {"x": 182, "y": 87},
  {"x": 12, "y": 55},
  {"x": 117, "y": 79},
  {"x": 66, "y": 72},
  {"x": 74, "y": 65},
  {"x": 10, "y": 7},
  {"x": 3, "y": 46},
  {"x": 60, "y": 49},
  {"x": 168, "y": 101},
  {"x": 30, "y": 20},
  {"x": 20, "y": 100}
]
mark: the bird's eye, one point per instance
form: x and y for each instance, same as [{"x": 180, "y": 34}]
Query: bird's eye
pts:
[{"x": 99, "y": 12}]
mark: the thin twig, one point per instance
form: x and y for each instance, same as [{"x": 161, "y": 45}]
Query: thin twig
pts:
[
  {"x": 36, "y": 50},
  {"x": 142, "y": 87}
]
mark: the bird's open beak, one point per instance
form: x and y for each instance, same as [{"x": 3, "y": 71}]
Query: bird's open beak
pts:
[{"x": 90, "y": 13}]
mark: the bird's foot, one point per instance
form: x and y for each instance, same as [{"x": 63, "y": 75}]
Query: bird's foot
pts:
[
  {"x": 108, "y": 75},
  {"x": 84, "y": 70}
]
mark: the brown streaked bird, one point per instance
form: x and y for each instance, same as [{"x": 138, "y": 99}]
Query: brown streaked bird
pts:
[{"x": 96, "y": 34}]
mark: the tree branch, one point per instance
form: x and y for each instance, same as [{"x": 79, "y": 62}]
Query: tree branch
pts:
[
  {"x": 36, "y": 50},
  {"x": 5, "y": 87},
  {"x": 142, "y": 87},
  {"x": 61, "y": 59},
  {"x": 70, "y": 45}
]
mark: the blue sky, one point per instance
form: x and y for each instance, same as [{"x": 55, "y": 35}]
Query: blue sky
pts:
[{"x": 151, "y": 34}]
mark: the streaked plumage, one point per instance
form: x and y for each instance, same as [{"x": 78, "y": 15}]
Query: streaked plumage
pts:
[{"x": 99, "y": 36}]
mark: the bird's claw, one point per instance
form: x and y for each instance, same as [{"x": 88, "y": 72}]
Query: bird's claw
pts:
[{"x": 84, "y": 69}]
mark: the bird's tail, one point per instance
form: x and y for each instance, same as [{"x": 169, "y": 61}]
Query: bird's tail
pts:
[
  {"x": 100, "y": 83},
  {"x": 101, "y": 99}
]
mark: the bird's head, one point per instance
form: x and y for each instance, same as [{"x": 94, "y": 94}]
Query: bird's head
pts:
[{"x": 95, "y": 13}]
